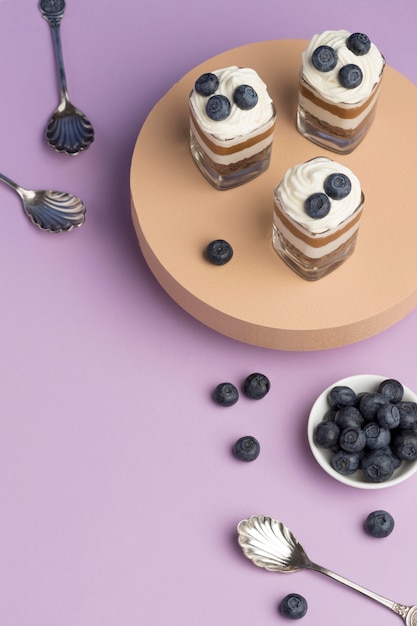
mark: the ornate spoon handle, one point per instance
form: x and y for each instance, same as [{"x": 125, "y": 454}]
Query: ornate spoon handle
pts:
[
  {"x": 53, "y": 11},
  {"x": 407, "y": 613}
]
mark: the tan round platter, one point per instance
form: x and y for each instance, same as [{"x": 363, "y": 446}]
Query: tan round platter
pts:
[{"x": 256, "y": 298}]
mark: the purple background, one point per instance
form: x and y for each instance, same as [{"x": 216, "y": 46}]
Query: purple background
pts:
[{"x": 119, "y": 495}]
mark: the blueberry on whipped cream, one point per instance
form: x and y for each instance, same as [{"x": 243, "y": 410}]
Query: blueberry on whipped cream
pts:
[
  {"x": 324, "y": 58},
  {"x": 206, "y": 84},
  {"x": 350, "y": 76},
  {"x": 317, "y": 205},
  {"x": 337, "y": 186},
  {"x": 245, "y": 97},
  {"x": 218, "y": 107},
  {"x": 358, "y": 43}
]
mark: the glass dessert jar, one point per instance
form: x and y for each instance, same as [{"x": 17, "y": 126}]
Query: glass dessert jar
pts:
[
  {"x": 316, "y": 217},
  {"x": 232, "y": 122},
  {"x": 339, "y": 85}
]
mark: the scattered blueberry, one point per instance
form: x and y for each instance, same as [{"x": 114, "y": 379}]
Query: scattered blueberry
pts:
[
  {"x": 392, "y": 390},
  {"x": 256, "y": 386},
  {"x": 326, "y": 435},
  {"x": 404, "y": 445},
  {"x": 206, "y": 84},
  {"x": 324, "y": 58},
  {"x": 346, "y": 463},
  {"x": 245, "y": 97},
  {"x": 379, "y": 524},
  {"x": 340, "y": 396},
  {"x": 218, "y": 108},
  {"x": 219, "y": 252},
  {"x": 350, "y": 76},
  {"x": 337, "y": 186},
  {"x": 358, "y": 43},
  {"x": 388, "y": 416},
  {"x": 246, "y": 448},
  {"x": 317, "y": 205},
  {"x": 226, "y": 394},
  {"x": 293, "y": 606}
]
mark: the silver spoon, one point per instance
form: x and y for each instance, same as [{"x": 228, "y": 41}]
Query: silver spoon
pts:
[
  {"x": 54, "y": 211},
  {"x": 69, "y": 131},
  {"x": 271, "y": 545}
]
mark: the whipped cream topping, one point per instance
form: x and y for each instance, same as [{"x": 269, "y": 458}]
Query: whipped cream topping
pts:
[
  {"x": 239, "y": 122},
  {"x": 327, "y": 83},
  {"x": 307, "y": 178}
]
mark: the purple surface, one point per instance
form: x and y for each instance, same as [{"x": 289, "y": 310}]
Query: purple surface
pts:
[{"x": 119, "y": 496}]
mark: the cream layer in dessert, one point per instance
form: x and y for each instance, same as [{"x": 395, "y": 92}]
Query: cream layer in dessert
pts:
[
  {"x": 314, "y": 245},
  {"x": 331, "y": 109},
  {"x": 233, "y": 145}
]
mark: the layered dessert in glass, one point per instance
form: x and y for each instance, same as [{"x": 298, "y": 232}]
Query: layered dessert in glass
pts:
[
  {"x": 317, "y": 210},
  {"x": 339, "y": 85},
  {"x": 232, "y": 121}
]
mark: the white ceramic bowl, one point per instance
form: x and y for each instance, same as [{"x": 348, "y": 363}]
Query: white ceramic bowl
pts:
[{"x": 363, "y": 382}]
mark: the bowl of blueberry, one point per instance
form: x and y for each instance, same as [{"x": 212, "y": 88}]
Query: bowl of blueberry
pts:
[{"x": 362, "y": 430}]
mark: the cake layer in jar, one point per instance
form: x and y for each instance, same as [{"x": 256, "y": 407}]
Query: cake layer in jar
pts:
[
  {"x": 346, "y": 120},
  {"x": 318, "y": 245},
  {"x": 227, "y": 152}
]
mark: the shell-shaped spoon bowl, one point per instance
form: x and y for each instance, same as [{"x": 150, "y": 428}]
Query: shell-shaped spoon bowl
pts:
[
  {"x": 271, "y": 545},
  {"x": 69, "y": 131},
  {"x": 55, "y": 211}
]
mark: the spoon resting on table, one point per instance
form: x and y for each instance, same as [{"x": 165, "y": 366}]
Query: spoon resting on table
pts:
[
  {"x": 68, "y": 131},
  {"x": 271, "y": 545},
  {"x": 53, "y": 211}
]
